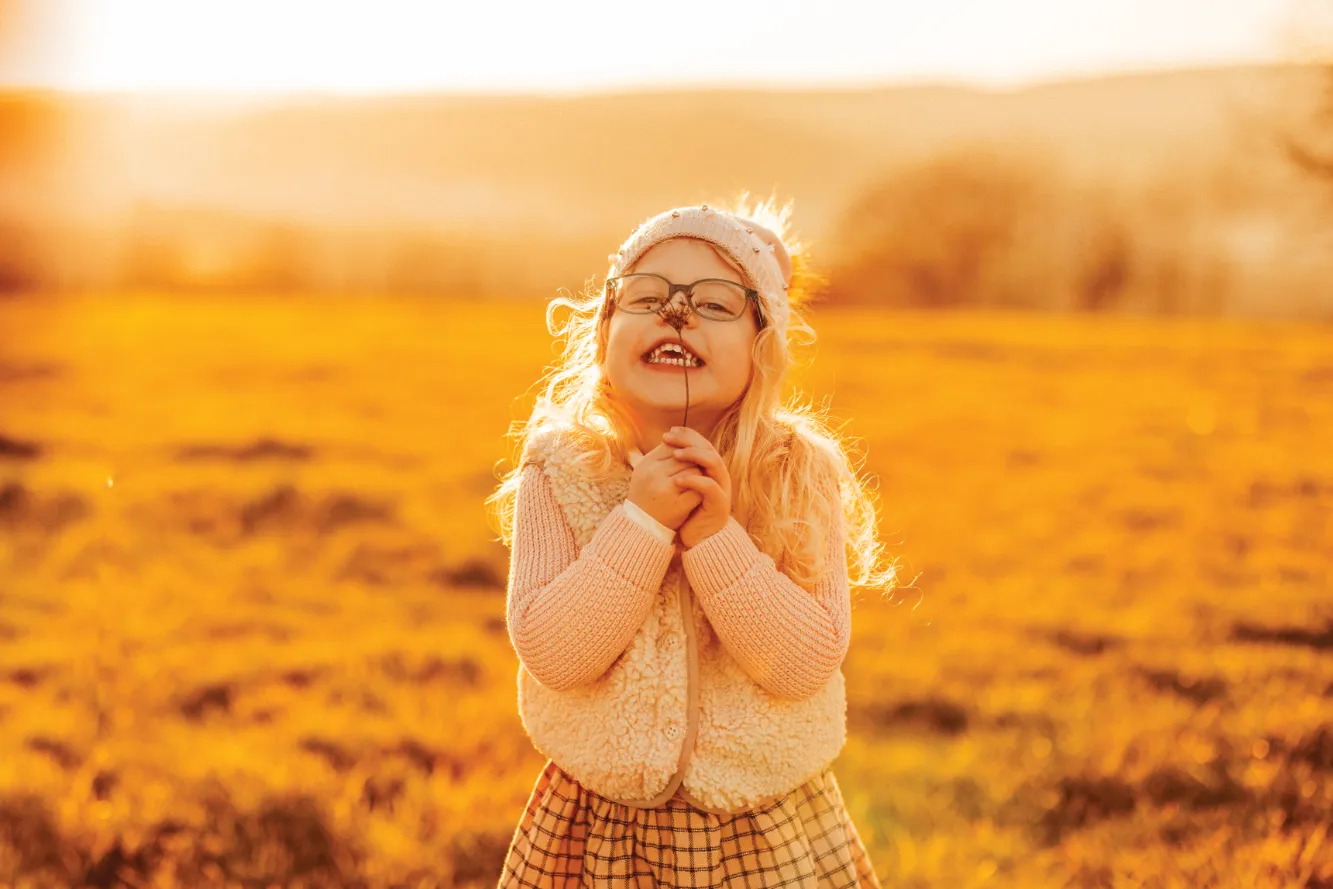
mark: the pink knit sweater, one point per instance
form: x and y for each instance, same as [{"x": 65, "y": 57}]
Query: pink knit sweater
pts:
[
  {"x": 572, "y": 612},
  {"x": 649, "y": 673}
]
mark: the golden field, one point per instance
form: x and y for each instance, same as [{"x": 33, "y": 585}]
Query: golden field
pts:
[{"x": 252, "y": 614}]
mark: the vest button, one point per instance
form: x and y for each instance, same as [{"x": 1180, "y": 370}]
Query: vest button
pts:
[{"x": 672, "y": 731}]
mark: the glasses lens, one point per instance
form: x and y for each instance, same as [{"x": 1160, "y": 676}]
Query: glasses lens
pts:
[
  {"x": 641, "y": 293},
  {"x": 719, "y": 300}
]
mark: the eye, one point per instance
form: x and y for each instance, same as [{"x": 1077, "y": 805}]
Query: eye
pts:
[{"x": 718, "y": 306}]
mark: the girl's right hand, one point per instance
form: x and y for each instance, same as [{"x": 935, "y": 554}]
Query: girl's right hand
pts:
[{"x": 653, "y": 489}]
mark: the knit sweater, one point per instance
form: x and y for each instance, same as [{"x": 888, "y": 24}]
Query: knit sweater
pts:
[{"x": 707, "y": 675}]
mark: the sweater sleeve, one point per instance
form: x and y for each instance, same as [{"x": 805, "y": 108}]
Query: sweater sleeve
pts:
[
  {"x": 789, "y": 640},
  {"x": 660, "y": 531},
  {"x": 572, "y": 612}
]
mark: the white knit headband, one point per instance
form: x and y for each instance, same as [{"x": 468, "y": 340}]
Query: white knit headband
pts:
[{"x": 747, "y": 249}]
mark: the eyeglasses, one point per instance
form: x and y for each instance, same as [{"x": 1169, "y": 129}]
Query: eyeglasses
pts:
[{"x": 717, "y": 299}]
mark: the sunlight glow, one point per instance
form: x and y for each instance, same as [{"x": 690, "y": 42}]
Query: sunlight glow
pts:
[{"x": 392, "y": 45}]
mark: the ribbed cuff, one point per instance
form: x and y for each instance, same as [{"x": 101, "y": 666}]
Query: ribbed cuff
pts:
[
  {"x": 721, "y": 559},
  {"x": 631, "y": 550}
]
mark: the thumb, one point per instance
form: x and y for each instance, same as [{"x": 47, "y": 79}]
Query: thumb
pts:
[{"x": 701, "y": 484}]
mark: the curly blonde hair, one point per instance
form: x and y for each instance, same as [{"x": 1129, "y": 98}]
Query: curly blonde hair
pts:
[{"x": 793, "y": 476}]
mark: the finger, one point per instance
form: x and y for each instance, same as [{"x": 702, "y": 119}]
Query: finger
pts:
[
  {"x": 711, "y": 497},
  {"x": 663, "y": 457},
  {"x": 661, "y": 452},
  {"x": 709, "y": 460},
  {"x": 684, "y": 466},
  {"x": 684, "y": 436},
  {"x": 710, "y": 490},
  {"x": 692, "y": 438}
]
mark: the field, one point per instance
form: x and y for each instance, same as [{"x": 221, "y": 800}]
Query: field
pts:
[{"x": 252, "y": 614}]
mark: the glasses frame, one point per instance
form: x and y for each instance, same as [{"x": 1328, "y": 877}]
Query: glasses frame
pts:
[{"x": 751, "y": 295}]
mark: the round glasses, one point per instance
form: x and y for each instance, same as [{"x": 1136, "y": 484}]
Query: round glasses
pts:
[{"x": 717, "y": 299}]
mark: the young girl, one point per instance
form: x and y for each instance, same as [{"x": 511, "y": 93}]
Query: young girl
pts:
[{"x": 679, "y": 586}]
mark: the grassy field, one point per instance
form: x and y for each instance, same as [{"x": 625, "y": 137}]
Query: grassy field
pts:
[{"x": 252, "y": 615}]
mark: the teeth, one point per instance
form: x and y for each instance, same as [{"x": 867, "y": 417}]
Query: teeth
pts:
[{"x": 659, "y": 356}]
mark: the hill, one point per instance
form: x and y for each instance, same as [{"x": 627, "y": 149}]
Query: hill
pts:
[{"x": 121, "y": 175}]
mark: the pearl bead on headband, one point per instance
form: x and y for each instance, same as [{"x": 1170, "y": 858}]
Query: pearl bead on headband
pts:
[{"x": 734, "y": 236}]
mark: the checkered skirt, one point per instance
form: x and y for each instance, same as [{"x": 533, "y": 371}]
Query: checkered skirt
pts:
[{"x": 571, "y": 837}]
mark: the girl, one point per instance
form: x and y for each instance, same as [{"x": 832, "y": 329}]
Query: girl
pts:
[{"x": 679, "y": 585}]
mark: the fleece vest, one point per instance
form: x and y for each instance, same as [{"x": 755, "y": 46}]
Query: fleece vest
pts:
[{"x": 675, "y": 715}]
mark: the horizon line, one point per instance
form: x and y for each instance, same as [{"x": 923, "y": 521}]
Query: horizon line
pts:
[{"x": 661, "y": 88}]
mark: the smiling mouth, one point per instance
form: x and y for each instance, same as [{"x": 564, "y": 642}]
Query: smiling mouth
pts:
[{"x": 670, "y": 357}]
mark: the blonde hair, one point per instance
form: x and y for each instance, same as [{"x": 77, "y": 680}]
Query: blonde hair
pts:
[{"x": 792, "y": 474}]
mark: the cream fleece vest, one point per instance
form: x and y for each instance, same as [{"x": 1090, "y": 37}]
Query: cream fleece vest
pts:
[{"x": 675, "y": 714}]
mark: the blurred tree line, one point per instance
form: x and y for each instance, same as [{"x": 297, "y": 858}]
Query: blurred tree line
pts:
[
  {"x": 199, "y": 249},
  {"x": 975, "y": 224},
  {"x": 981, "y": 226},
  {"x": 1311, "y": 148},
  {"x": 984, "y": 226},
  {"x": 1310, "y": 145}
]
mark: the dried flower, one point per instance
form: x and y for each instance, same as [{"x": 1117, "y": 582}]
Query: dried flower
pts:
[{"x": 676, "y": 314}]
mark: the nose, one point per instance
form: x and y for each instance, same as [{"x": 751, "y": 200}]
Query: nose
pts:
[{"x": 676, "y": 312}]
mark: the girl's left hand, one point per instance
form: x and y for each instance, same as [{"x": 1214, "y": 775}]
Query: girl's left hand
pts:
[{"x": 714, "y": 485}]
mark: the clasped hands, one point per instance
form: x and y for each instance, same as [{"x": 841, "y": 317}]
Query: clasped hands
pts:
[{"x": 684, "y": 484}]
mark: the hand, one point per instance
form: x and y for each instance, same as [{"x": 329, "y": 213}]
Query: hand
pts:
[
  {"x": 652, "y": 487},
  {"x": 713, "y": 484}
]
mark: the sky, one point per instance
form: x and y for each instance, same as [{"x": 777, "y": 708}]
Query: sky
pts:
[{"x": 334, "y": 46}]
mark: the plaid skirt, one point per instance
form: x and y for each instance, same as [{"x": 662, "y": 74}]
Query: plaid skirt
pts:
[{"x": 571, "y": 837}]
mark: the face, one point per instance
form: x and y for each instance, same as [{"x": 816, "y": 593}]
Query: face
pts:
[{"x": 656, "y": 392}]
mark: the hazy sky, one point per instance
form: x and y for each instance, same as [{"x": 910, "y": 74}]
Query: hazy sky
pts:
[{"x": 327, "y": 45}]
